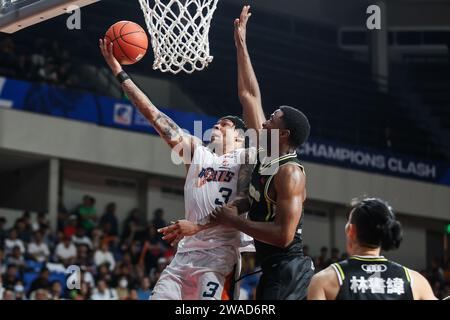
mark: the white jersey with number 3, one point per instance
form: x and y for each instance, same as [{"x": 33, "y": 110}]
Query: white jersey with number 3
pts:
[{"x": 211, "y": 181}]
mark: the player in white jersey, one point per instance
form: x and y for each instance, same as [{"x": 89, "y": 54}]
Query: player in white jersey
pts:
[
  {"x": 215, "y": 177},
  {"x": 204, "y": 260}
]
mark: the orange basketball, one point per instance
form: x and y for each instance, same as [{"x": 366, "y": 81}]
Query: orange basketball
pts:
[{"x": 130, "y": 41}]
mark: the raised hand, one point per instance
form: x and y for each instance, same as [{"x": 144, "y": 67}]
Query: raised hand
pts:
[
  {"x": 240, "y": 26},
  {"x": 107, "y": 52}
]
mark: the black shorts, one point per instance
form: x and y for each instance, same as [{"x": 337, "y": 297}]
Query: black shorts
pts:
[{"x": 287, "y": 279}]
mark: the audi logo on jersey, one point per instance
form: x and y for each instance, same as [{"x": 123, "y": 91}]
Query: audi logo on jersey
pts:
[{"x": 372, "y": 268}]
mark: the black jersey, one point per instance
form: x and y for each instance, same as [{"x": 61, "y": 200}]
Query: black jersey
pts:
[
  {"x": 372, "y": 278},
  {"x": 263, "y": 208}
]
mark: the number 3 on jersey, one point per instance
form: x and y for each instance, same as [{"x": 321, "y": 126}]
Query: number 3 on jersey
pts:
[
  {"x": 226, "y": 194},
  {"x": 212, "y": 289}
]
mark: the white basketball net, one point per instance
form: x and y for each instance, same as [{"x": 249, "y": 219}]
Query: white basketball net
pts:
[{"x": 179, "y": 33}]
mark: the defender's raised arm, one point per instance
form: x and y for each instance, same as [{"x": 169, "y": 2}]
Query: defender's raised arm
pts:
[{"x": 248, "y": 87}]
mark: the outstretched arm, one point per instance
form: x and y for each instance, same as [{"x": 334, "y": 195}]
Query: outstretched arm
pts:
[
  {"x": 248, "y": 87},
  {"x": 290, "y": 189},
  {"x": 172, "y": 134}
]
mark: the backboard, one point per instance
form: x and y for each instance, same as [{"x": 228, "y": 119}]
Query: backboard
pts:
[{"x": 16, "y": 15}]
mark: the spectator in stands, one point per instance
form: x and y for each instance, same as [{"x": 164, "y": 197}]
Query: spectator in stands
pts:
[
  {"x": 41, "y": 282},
  {"x": 41, "y": 221},
  {"x": 40, "y": 294},
  {"x": 86, "y": 275},
  {"x": 62, "y": 217},
  {"x": 103, "y": 255},
  {"x": 56, "y": 290},
  {"x": 124, "y": 272},
  {"x": 437, "y": 273},
  {"x": 135, "y": 252},
  {"x": 144, "y": 290},
  {"x": 48, "y": 237},
  {"x": 8, "y": 294},
  {"x": 133, "y": 295},
  {"x": 2, "y": 231},
  {"x": 96, "y": 237},
  {"x": 131, "y": 225},
  {"x": 103, "y": 292},
  {"x": 11, "y": 276},
  {"x": 83, "y": 257},
  {"x": 37, "y": 249},
  {"x": 71, "y": 228},
  {"x": 122, "y": 289},
  {"x": 80, "y": 238},
  {"x": 83, "y": 294},
  {"x": 13, "y": 241},
  {"x": 48, "y": 71},
  {"x": 17, "y": 259},
  {"x": 19, "y": 291},
  {"x": 23, "y": 233},
  {"x": 66, "y": 252},
  {"x": 334, "y": 257},
  {"x": 306, "y": 251},
  {"x": 158, "y": 219},
  {"x": 321, "y": 260},
  {"x": 87, "y": 213},
  {"x": 150, "y": 235},
  {"x": 109, "y": 217},
  {"x": 27, "y": 226},
  {"x": 152, "y": 249},
  {"x": 126, "y": 260},
  {"x": 103, "y": 273}
]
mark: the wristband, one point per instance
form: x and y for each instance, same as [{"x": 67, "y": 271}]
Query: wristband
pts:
[{"x": 122, "y": 76}]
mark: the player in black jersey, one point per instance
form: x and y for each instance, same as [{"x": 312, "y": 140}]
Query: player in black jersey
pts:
[
  {"x": 277, "y": 189},
  {"x": 366, "y": 275}
]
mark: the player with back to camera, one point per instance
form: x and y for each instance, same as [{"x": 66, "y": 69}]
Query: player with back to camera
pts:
[
  {"x": 204, "y": 261},
  {"x": 365, "y": 275},
  {"x": 277, "y": 191}
]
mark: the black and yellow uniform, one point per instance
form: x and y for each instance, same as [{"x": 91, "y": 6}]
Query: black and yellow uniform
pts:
[
  {"x": 372, "y": 278},
  {"x": 286, "y": 272}
]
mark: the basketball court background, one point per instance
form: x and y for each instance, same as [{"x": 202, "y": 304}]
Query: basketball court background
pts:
[{"x": 378, "y": 101}]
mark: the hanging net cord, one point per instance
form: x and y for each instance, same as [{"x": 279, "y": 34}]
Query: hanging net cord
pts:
[{"x": 179, "y": 33}]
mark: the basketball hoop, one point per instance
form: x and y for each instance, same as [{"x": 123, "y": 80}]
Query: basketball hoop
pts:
[{"x": 179, "y": 31}]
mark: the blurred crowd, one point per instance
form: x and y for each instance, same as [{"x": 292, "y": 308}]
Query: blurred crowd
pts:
[
  {"x": 48, "y": 62},
  {"x": 113, "y": 265},
  {"x": 116, "y": 261}
]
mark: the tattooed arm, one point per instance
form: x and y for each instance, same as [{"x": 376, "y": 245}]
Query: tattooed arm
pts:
[
  {"x": 172, "y": 134},
  {"x": 242, "y": 202}
]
